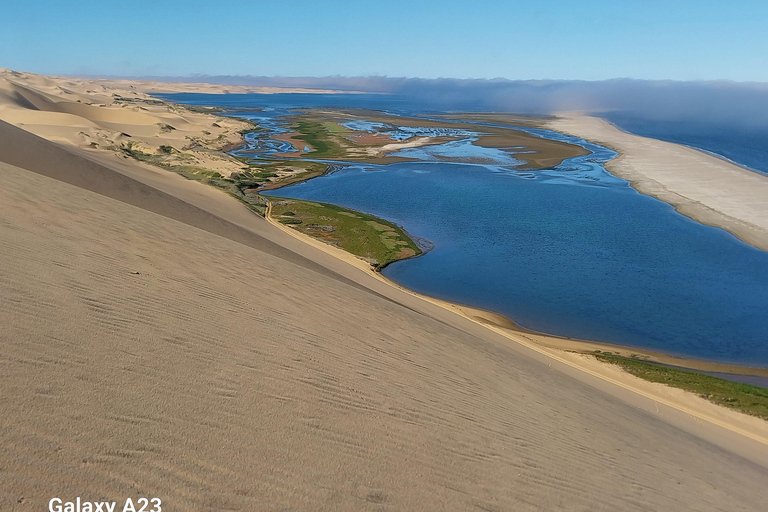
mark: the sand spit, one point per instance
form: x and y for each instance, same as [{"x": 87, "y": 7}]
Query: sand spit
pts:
[
  {"x": 160, "y": 340},
  {"x": 392, "y": 147},
  {"x": 701, "y": 186}
]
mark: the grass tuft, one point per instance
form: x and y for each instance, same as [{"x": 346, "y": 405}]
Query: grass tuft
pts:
[
  {"x": 378, "y": 241},
  {"x": 318, "y": 136},
  {"x": 742, "y": 397}
]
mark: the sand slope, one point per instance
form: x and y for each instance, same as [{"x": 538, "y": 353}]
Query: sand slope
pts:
[{"x": 153, "y": 347}]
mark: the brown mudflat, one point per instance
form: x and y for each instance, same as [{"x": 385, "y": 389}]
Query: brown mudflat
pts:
[{"x": 536, "y": 152}]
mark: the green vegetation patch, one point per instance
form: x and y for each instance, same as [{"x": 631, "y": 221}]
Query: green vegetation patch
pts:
[
  {"x": 742, "y": 397},
  {"x": 253, "y": 129},
  {"x": 238, "y": 186},
  {"x": 131, "y": 150},
  {"x": 334, "y": 127},
  {"x": 378, "y": 241},
  {"x": 202, "y": 109},
  {"x": 251, "y": 178},
  {"x": 300, "y": 171},
  {"x": 241, "y": 186},
  {"x": 320, "y": 137}
]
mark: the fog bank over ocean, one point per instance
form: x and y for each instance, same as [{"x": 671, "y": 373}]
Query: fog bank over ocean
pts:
[{"x": 727, "y": 103}]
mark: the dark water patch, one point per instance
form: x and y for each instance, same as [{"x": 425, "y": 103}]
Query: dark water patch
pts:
[{"x": 386, "y": 102}]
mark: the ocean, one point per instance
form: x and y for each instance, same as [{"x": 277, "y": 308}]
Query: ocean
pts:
[{"x": 744, "y": 144}]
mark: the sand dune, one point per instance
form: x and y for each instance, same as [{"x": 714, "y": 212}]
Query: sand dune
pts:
[
  {"x": 35, "y": 100},
  {"x": 159, "y": 340},
  {"x": 150, "y": 86},
  {"x": 94, "y": 117}
]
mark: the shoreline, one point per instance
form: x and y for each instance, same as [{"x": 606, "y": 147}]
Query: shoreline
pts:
[
  {"x": 375, "y": 258},
  {"x": 689, "y": 146},
  {"x": 570, "y": 352},
  {"x": 708, "y": 189},
  {"x": 489, "y": 318},
  {"x": 511, "y": 330}
]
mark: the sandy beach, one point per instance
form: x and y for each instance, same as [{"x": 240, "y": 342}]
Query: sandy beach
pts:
[
  {"x": 162, "y": 340},
  {"x": 708, "y": 189}
]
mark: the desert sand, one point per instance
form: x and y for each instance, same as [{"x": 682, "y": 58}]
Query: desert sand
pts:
[
  {"x": 150, "y": 86},
  {"x": 91, "y": 116},
  {"x": 701, "y": 186},
  {"x": 161, "y": 340}
]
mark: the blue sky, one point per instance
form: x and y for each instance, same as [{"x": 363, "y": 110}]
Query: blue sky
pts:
[{"x": 536, "y": 39}]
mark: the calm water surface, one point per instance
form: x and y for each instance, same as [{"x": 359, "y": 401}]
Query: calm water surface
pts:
[
  {"x": 596, "y": 261},
  {"x": 572, "y": 251}
]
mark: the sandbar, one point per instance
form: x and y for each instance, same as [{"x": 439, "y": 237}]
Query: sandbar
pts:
[{"x": 701, "y": 186}]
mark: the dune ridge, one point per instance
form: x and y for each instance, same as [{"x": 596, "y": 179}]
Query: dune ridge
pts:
[{"x": 101, "y": 119}]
